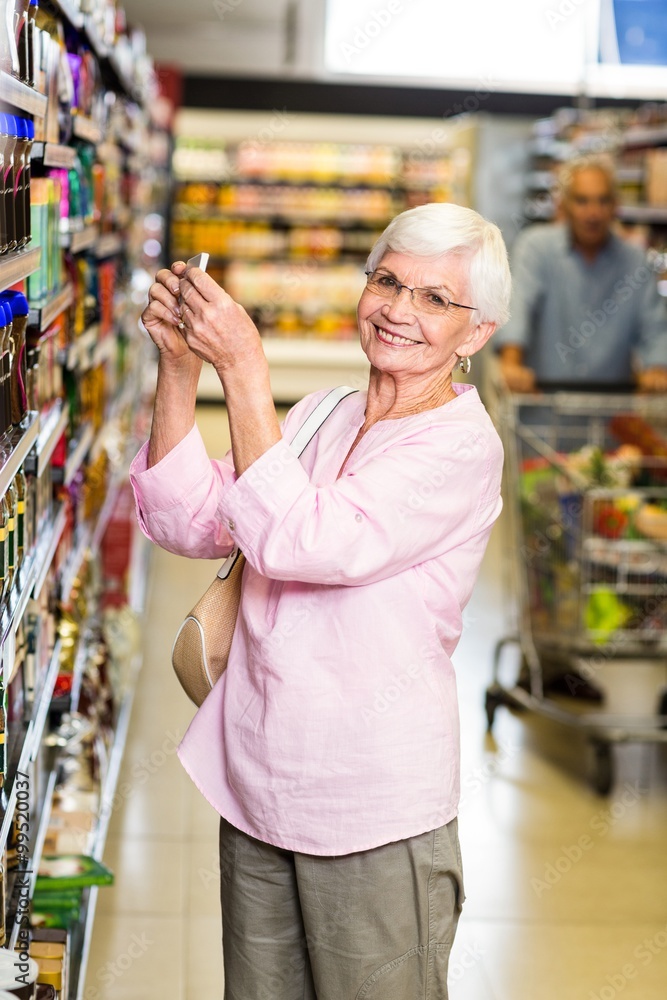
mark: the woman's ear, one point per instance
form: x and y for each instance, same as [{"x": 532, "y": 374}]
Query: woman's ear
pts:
[{"x": 476, "y": 339}]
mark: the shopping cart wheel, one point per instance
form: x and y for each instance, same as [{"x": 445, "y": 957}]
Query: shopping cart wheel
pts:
[
  {"x": 603, "y": 775},
  {"x": 491, "y": 703}
]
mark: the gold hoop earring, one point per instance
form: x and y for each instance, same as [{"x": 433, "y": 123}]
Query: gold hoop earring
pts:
[{"x": 465, "y": 365}]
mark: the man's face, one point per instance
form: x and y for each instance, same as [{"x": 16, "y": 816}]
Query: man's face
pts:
[{"x": 589, "y": 207}]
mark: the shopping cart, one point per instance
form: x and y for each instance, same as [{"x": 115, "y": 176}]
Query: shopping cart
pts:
[{"x": 586, "y": 523}]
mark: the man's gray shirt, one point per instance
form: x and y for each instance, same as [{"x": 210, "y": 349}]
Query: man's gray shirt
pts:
[{"x": 579, "y": 321}]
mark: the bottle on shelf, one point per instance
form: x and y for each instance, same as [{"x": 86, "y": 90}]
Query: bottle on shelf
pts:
[
  {"x": 6, "y": 320},
  {"x": 4, "y": 553},
  {"x": 33, "y": 35},
  {"x": 20, "y": 311},
  {"x": 23, "y": 540},
  {"x": 4, "y": 155},
  {"x": 25, "y": 133},
  {"x": 11, "y": 499},
  {"x": 7, "y": 181}
]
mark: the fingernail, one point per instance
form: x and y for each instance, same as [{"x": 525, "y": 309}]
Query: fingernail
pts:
[{"x": 174, "y": 289}]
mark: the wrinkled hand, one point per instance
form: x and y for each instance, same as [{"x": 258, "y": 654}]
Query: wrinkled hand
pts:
[
  {"x": 517, "y": 377},
  {"x": 162, "y": 316},
  {"x": 215, "y": 327},
  {"x": 652, "y": 380}
]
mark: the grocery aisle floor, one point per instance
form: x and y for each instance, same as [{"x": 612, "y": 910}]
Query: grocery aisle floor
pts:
[{"x": 566, "y": 892}]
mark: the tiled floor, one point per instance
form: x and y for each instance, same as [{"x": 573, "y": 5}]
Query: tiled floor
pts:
[{"x": 566, "y": 892}]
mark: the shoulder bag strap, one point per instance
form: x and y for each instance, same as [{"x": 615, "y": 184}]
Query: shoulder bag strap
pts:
[
  {"x": 298, "y": 444},
  {"x": 314, "y": 421}
]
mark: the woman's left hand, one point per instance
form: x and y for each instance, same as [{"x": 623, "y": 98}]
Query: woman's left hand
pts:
[{"x": 215, "y": 327}]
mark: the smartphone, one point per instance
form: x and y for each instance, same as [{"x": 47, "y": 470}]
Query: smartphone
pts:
[{"x": 200, "y": 261}]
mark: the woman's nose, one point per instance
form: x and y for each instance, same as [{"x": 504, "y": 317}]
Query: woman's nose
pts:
[{"x": 401, "y": 307}]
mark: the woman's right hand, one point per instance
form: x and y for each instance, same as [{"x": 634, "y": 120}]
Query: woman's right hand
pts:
[{"x": 162, "y": 316}]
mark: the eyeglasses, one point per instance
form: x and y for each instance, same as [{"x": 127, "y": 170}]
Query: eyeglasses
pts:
[{"x": 428, "y": 300}]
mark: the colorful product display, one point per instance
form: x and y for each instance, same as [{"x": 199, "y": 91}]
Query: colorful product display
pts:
[
  {"x": 289, "y": 224},
  {"x": 75, "y": 183}
]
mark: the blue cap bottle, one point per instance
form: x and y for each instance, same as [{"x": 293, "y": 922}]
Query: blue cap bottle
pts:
[{"x": 8, "y": 191}]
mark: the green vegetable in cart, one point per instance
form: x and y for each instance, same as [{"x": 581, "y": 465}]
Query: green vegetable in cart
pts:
[{"x": 605, "y": 613}]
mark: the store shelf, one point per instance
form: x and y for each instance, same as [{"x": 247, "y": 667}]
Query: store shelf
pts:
[
  {"x": 541, "y": 180},
  {"x": 44, "y": 316},
  {"x": 78, "y": 352},
  {"x": 123, "y": 82},
  {"x": 96, "y": 42},
  {"x": 642, "y": 213},
  {"x": 104, "y": 350},
  {"x": 20, "y": 96},
  {"x": 20, "y": 596},
  {"x": 51, "y": 431},
  {"x": 86, "y": 129},
  {"x": 48, "y": 547},
  {"x": 96, "y": 353},
  {"x": 300, "y": 366},
  {"x": 18, "y": 265},
  {"x": 76, "y": 459},
  {"x": 109, "y": 244},
  {"x": 37, "y": 850},
  {"x": 50, "y": 154},
  {"x": 287, "y": 219},
  {"x": 68, "y": 10},
  {"x": 78, "y": 671},
  {"x": 33, "y": 736},
  {"x": 655, "y": 136},
  {"x": 125, "y": 398},
  {"x": 20, "y": 444},
  {"x": 345, "y": 183},
  {"x": 630, "y": 175},
  {"x": 78, "y": 969},
  {"x": 83, "y": 240}
]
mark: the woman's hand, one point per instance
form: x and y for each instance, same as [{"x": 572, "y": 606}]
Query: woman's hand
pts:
[
  {"x": 162, "y": 316},
  {"x": 215, "y": 327}
]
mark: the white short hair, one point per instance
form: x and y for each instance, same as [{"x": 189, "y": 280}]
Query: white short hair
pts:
[{"x": 438, "y": 229}]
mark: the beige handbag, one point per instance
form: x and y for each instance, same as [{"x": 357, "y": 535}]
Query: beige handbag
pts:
[{"x": 201, "y": 648}]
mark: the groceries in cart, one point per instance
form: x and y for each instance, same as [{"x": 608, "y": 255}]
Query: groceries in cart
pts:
[{"x": 594, "y": 529}]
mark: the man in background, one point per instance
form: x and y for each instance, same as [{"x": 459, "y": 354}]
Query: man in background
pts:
[
  {"x": 586, "y": 309},
  {"x": 585, "y": 314}
]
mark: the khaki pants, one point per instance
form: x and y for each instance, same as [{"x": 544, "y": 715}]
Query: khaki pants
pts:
[{"x": 376, "y": 925}]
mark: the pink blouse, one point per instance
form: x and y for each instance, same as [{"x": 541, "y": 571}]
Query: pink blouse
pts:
[{"x": 335, "y": 727}]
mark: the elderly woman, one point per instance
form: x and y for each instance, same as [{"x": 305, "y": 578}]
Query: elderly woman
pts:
[{"x": 330, "y": 746}]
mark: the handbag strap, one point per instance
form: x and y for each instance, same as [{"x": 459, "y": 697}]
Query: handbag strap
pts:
[
  {"x": 298, "y": 444},
  {"x": 314, "y": 421}
]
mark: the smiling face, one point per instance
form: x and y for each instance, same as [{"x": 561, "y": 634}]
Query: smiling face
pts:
[{"x": 402, "y": 341}]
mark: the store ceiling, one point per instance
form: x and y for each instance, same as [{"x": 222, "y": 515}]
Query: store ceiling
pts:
[{"x": 222, "y": 37}]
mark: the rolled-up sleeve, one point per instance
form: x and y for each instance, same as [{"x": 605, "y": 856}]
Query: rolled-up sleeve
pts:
[
  {"x": 410, "y": 503},
  {"x": 652, "y": 314},
  {"x": 178, "y": 499}
]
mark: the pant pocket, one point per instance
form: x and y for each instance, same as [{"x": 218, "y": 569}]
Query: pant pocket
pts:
[{"x": 400, "y": 979}]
